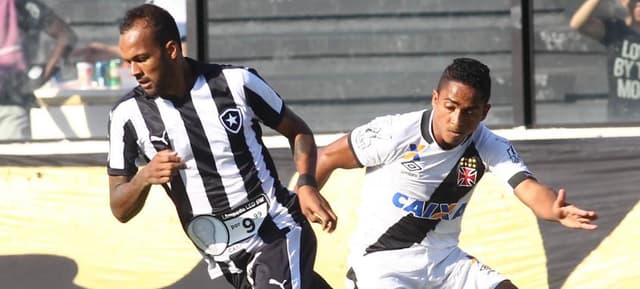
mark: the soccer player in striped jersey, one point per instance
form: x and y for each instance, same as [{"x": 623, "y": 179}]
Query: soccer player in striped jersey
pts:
[
  {"x": 421, "y": 168},
  {"x": 197, "y": 128}
]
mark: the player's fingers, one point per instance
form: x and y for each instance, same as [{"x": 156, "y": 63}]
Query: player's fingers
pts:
[
  {"x": 580, "y": 212},
  {"x": 560, "y": 198},
  {"x": 588, "y": 226},
  {"x": 332, "y": 219},
  {"x": 311, "y": 216}
]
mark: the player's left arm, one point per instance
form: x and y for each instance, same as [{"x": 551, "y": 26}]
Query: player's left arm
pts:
[
  {"x": 550, "y": 205},
  {"x": 64, "y": 37},
  {"x": 313, "y": 205}
]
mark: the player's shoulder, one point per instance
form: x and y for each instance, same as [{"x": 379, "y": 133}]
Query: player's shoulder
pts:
[
  {"x": 393, "y": 128},
  {"x": 400, "y": 120},
  {"x": 136, "y": 92},
  {"x": 246, "y": 73},
  {"x": 485, "y": 138}
]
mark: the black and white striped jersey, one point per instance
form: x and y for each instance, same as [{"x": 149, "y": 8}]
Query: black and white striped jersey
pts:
[
  {"x": 216, "y": 131},
  {"x": 414, "y": 191}
]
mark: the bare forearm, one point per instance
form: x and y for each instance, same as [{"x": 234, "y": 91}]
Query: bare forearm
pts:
[
  {"x": 336, "y": 155},
  {"x": 304, "y": 153},
  {"x": 582, "y": 15},
  {"x": 127, "y": 198},
  {"x": 539, "y": 198},
  {"x": 65, "y": 39},
  {"x": 542, "y": 205}
]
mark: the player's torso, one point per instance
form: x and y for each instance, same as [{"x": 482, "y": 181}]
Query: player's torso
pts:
[
  {"x": 213, "y": 132},
  {"x": 425, "y": 186}
]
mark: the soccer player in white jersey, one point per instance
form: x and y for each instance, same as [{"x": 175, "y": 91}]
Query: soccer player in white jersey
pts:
[
  {"x": 421, "y": 168},
  {"x": 197, "y": 126}
]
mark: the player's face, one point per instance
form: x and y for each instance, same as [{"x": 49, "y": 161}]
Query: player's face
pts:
[
  {"x": 150, "y": 61},
  {"x": 635, "y": 11},
  {"x": 633, "y": 6},
  {"x": 457, "y": 111}
]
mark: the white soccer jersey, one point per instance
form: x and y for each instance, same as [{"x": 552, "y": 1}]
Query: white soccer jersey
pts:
[{"x": 414, "y": 191}]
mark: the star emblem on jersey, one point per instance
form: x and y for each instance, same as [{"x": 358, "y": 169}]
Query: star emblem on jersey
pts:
[
  {"x": 467, "y": 173},
  {"x": 231, "y": 119}
]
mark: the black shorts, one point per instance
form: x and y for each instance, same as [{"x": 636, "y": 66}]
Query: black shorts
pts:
[{"x": 280, "y": 263}]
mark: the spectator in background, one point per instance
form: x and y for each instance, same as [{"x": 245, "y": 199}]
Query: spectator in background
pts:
[
  {"x": 621, "y": 39},
  {"x": 20, "y": 28},
  {"x": 96, "y": 51}
]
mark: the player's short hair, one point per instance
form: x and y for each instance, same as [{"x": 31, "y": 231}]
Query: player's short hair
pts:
[
  {"x": 471, "y": 72},
  {"x": 159, "y": 20}
]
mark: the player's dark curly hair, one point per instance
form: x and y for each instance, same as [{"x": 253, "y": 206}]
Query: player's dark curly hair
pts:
[
  {"x": 470, "y": 72},
  {"x": 161, "y": 22}
]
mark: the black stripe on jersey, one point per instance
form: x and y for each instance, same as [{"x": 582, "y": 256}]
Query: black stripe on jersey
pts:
[
  {"x": 237, "y": 141},
  {"x": 410, "y": 229},
  {"x": 155, "y": 125},
  {"x": 425, "y": 127},
  {"x": 262, "y": 109},
  {"x": 153, "y": 121},
  {"x": 130, "y": 152},
  {"x": 351, "y": 275},
  {"x": 281, "y": 192},
  {"x": 204, "y": 157}
]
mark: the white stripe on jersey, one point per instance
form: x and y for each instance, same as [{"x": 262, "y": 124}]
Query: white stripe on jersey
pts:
[
  {"x": 174, "y": 125},
  {"x": 236, "y": 80},
  {"x": 218, "y": 141},
  {"x": 134, "y": 115}
]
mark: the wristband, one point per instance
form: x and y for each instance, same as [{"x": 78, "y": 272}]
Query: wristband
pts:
[{"x": 307, "y": 180}]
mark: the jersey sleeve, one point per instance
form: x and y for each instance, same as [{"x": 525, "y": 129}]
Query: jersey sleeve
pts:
[
  {"x": 503, "y": 160},
  {"x": 263, "y": 100},
  {"x": 373, "y": 143},
  {"x": 123, "y": 148}
]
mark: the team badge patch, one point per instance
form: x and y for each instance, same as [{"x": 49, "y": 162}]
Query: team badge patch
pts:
[
  {"x": 467, "y": 172},
  {"x": 231, "y": 119}
]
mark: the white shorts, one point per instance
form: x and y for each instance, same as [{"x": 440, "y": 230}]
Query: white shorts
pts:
[{"x": 411, "y": 268}]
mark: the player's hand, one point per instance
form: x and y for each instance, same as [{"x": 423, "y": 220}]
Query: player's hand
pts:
[
  {"x": 164, "y": 165},
  {"x": 316, "y": 208},
  {"x": 571, "y": 216}
]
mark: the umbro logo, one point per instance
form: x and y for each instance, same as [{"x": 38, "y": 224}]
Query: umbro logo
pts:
[
  {"x": 411, "y": 166},
  {"x": 231, "y": 119}
]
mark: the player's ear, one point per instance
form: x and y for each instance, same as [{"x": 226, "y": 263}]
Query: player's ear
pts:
[
  {"x": 173, "y": 49},
  {"x": 434, "y": 97},
  {"x": 485, "y": 110}
]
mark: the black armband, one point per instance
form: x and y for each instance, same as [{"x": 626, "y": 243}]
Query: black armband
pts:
[{"x": 307, "y": 180}]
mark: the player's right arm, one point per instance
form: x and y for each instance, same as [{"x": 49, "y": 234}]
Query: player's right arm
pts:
[
  {"x": 128, "y": 193},
  {"x": 337, "y": 155},
  {"x": 583, "y": 22}
]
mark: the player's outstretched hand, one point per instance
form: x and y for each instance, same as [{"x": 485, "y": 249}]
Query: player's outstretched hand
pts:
[
  {"x": 316, "y": 208},
  {"x": 162, "y": 167},
  {"x": 571, "y": 216}
]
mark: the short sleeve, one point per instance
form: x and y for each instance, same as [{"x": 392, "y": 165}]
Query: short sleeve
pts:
[
  {"x": 373, "y": 143},
  {"x": 503, "y": 160},
  {"x": 123, "y": 148},
  {"x": 263, "y": 100}
]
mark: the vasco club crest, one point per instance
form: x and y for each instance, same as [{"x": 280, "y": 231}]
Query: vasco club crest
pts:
[
  {"x": 467, "y": 172},
  {"x": 231, "y": 119}
]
